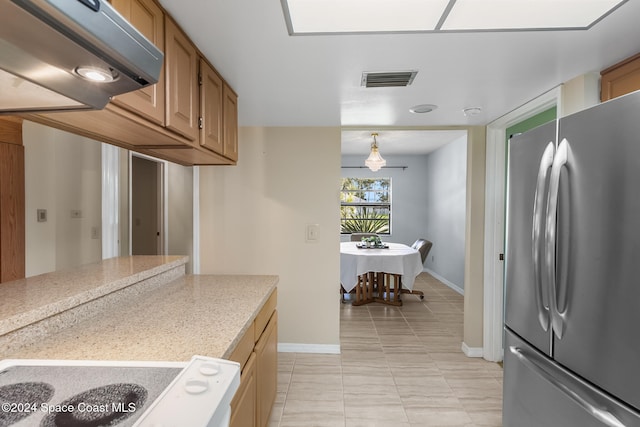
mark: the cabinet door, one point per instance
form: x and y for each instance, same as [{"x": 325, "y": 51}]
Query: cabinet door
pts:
[
  {"x": 243, "y": 405},
  {"x": 148, "y": 18},
  {"x": 620, "y": 79},
  {"x": 211, "y": 109},
  {"x": 267, "y": 370},
  {"x": 181, "y": 67},
  {"x": 230, "y": 113}
]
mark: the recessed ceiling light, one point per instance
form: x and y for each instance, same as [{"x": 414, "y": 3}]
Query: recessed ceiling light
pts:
[
  {"x": 423, "y": 108},
  {"x": 472, "y": 111},
  {"x": 364, "y": 16}
]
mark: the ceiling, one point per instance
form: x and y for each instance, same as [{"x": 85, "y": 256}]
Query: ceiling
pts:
[{"x": 314, "y": 80}]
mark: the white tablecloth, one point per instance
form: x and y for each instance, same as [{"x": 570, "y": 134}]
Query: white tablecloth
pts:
[{"x": 397, "y": 259}]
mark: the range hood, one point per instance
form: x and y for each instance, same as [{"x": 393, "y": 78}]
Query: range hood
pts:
[{"x": 50, "y": 50}]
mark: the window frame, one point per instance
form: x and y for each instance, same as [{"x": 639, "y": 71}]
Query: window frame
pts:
[{"x": 367, "y": 204}]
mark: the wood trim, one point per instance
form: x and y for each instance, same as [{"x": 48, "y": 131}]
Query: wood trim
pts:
[{"x": 12, "y": 212}]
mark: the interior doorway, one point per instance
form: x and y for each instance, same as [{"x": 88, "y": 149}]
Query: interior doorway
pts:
[{"x": 147, "y": 201}]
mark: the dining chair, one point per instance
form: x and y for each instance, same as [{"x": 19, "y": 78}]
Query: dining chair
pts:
[{"x": 423, "y": 246}]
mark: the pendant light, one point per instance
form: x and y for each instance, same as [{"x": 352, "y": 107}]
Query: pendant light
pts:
[{"x": 375, "y": 160}]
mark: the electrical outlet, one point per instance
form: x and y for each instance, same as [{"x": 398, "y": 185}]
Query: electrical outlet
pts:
[
  {"x": 95, "y": 232},
  {"x": 42, "y": 215}
]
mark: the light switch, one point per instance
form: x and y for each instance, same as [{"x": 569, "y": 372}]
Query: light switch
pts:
[{"x": 313, "y": 231}]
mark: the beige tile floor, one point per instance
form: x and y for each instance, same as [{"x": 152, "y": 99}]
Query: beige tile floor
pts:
[{"x": 399, "y": 367}]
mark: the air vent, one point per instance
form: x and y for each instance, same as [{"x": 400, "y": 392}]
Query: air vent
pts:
[{"x": 388, "y": 78}]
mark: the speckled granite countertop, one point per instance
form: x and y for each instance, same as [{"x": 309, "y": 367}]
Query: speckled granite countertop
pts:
[
  {"x": 25, "y": 301},
  {"x": 204, "y": 315}
]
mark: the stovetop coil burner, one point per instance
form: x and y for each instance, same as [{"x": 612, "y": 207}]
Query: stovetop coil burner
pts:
[{"x": 104, "y": 406}]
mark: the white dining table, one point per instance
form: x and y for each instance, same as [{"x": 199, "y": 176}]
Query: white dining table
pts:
[{"x": 396, "y": 259}]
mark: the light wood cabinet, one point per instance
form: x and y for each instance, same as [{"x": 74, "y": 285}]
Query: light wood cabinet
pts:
[
  {"x": 12, "y": 200},
  {"x": 230, "y": 113},
  {"x": 164, "y": 120},
  {"x": 257, "y": 353},
  {"x": 620, "y": 79},
  {"x": 267, "y": 371},
  {"x": 182, "y": 90},
  {"x": 211, "y": 90},
  {"x": 243, "y": 405},
  {"x": 148, "y": 18}
]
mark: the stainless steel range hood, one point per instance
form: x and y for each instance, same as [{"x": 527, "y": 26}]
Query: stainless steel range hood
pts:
[{"x": 50, "y": 50}]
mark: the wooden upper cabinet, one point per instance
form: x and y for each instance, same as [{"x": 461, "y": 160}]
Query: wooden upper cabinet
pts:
[
  {"x": 148, "y": 18},
  {"x": 181, "y": 67},
  {"x": 230, "y": 120},
  {"x": 620, "y": 79},
  {"x": 211, "y": 131}
]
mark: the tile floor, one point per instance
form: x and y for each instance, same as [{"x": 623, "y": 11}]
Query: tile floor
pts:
[{"x": 399, "y": 367}]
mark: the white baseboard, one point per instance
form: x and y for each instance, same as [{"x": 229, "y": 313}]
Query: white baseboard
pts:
[
  {"x": 309, "y": 348},
  {"x": 471, "y": 351},
  {"x": 452, "y": 285}
]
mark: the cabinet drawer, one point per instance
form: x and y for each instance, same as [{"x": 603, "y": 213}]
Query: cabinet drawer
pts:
[
  {"x": 244, "y": 348},
  {"x": 265, "y": 314}
]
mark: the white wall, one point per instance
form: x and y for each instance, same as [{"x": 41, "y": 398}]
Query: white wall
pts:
[
  {"x": 62, "y": 173},
  {"x": 445, "y": 185},
  {"x": 253, "y": 218}
]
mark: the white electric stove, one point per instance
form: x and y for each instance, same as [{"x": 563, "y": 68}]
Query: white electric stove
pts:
[{"x": 74, "y": 393}]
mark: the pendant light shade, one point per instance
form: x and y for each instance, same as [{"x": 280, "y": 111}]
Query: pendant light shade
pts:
[{"x": 375, "y": 160}]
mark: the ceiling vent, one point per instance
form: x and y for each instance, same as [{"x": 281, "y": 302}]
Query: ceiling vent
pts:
[{"x": 388, "y": 78}]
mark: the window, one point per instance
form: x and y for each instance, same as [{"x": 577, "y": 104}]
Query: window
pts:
[{"x": 365, "y": 205}]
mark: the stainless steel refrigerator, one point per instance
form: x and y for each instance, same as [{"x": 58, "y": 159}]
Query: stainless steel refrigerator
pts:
[{"x": 572, "y": 302}]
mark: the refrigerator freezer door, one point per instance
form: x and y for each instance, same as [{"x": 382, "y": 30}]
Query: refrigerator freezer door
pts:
[
  {"x": 526, "y": 299},
  {"x": 598, "y": 248},
  {"x": 539, "y": 392}
]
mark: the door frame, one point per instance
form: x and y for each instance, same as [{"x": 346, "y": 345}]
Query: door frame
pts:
[
  {"x": 493, "y": 321},
  {"x": 163, "y": 209}
]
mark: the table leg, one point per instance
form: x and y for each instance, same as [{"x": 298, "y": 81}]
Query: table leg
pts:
[
  {"x": 389, "y": 290},
  {"x": 364, "y": 289}
]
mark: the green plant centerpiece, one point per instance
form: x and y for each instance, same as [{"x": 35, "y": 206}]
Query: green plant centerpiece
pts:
[{"x": 373, "y": 241}]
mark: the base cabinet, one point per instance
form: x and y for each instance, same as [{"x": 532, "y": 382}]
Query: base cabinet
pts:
[
  {"x": 243, "y": 405},
  {"x": 267, "y": 370},
  {"x": 257, "y": 353}
]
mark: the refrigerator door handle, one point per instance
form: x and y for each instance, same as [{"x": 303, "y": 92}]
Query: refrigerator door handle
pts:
[
  {"x": 559, "y": 161},
  {"x": 538, "y": 206},
  {"x": 577, "y": 393}
]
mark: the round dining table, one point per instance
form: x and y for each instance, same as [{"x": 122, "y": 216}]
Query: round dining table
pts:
[{"x": 394, "y": 259}]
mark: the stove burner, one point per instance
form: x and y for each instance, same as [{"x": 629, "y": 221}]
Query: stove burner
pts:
[
  {"x": 99, "y": 407},
  {"x": 19, "y": 394}
]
